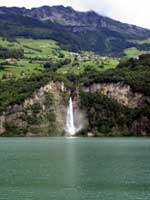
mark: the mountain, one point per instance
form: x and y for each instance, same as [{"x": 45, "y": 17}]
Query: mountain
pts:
[
  {"x": 74, "y": 30},
  {"x": 90, "y": 20}
]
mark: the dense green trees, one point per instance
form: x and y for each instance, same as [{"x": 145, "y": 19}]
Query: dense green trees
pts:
[
  {"x": 135, "y": 72},
  {"x": 107, "y": 117},
  {"x": 16, "y": 91},
  {"x": 54, "y": 64},
  {"x": 11, "y": 53}
]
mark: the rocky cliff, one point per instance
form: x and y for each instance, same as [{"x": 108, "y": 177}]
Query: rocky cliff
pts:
[
  {"x": 42, "y": 114},
  {"x": 107, "y": 109},
  {"x": 88, "y": 20},
  {"x": 120, "y": 92},
  {"x": 115, "y": 109}
]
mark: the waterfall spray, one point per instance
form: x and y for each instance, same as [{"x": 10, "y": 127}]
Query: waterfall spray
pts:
[{"x": 70, "y": 126}]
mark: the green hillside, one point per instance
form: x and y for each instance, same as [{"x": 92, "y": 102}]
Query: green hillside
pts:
[
  {"x": 39, "y": 55},
  {"x": 74, "y": 31}
]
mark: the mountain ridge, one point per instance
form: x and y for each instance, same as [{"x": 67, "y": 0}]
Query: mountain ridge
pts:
[
  {"x": 68, "y": 8},
  {"x": 74, "y": 30}
]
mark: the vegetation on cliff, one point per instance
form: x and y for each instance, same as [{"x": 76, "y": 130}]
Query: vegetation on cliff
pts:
[
  {"x": 108, "y": 118},
  {"x": 105, "y": 115},
  {"x": 27, "y": 64},
  {"x": 135, "y": 72},
  {"x": 16, "y": 91}
]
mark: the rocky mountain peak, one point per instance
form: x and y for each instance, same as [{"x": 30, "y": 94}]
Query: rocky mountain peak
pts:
[{"x": 79, "y": 30}]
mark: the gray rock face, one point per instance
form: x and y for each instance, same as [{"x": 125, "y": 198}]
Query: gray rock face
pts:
[
  {"x": 121, "y": 92},
  {"x": 67, "y": 16},
  {"x": 2, "y": 122},
  {"x": 124, "y": 95},
  {"x": 89, "y": 20},
  {"x": 42, "y": 114}
]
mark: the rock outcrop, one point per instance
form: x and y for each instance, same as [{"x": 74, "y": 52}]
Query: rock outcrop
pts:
[
  {"x": 42, "y": 114},
  {"x": 120, "y": 92}
]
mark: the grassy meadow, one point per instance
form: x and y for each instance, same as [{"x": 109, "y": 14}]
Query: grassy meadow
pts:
[{"x": 38, "y": 52}]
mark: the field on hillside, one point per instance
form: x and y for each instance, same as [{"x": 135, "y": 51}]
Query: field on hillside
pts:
[
  {"x": 36, "y": 52},
  {"x": 88, "y": 66},
  {"x": 39, "y": 48},
  {"x": 131, "y": 52},
  {"x": 39, "y": 52}
]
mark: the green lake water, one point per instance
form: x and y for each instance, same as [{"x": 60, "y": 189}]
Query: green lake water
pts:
[{"x": 74, "y": 169}]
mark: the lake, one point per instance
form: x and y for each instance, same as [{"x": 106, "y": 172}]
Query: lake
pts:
[{"x": 74, "y": 169}]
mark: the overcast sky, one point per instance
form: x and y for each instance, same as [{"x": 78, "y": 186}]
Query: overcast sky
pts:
[{"x": 131, "y": 11}]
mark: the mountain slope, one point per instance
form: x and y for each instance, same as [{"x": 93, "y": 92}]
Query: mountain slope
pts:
[
  {"x": 74, "y": 30},
  {"x": 87, "y": 20}
]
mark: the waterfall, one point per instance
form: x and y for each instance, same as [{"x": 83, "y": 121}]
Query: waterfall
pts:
[{"x": 70, "y": 126}]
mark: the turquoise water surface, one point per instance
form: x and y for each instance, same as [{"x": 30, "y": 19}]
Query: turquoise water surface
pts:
[{"x": 74, "y": 169}]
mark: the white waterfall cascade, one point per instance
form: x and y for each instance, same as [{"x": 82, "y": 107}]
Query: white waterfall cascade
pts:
[{"x": 70, "y": 124}]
